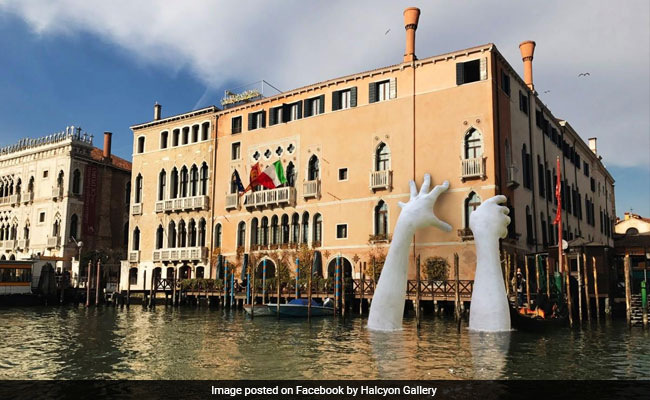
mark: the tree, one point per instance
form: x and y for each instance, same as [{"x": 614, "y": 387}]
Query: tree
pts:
[{"x": 436, "y": 269}]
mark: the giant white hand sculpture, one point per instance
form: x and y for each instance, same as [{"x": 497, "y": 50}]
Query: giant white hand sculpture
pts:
[
  {"x": 489, "y": 310},
  {"x": 387, "y": 308}
]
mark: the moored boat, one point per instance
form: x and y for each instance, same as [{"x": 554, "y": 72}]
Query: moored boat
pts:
[
  {"x": 534, "y": 322},
  {"x": 300, "y": 308},
  {"x": 258, "y": 310}
]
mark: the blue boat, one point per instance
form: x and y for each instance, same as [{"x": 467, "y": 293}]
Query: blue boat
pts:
[{"x": 300, "y": 308}]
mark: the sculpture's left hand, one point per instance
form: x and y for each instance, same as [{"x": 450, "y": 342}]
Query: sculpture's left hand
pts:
[{"x": 418, "y": 212}]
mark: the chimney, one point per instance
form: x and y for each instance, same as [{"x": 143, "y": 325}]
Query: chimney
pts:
[
  {"x": 107, "y": 145},
  {"x": 527, "y": 49},
  {"x": 592, "y": 145},
  {"x": 411, "y": 17},
  {"x": 157, "y": 108}
]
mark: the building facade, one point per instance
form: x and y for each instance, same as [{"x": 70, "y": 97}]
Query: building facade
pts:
[
  {"x": 59, "y": 190},
  {"x": 348, "y": 148}
]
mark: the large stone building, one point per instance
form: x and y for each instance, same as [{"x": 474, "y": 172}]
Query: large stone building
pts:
[
  {"x": 58, "y": 190},
  {"x": 349, "y": 147}
]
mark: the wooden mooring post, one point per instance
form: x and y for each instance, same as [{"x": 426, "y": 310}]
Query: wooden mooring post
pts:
[
  {"x": 628, "y": 289},
  {"x": 128, "y": 292},
  {"x": 548, "y": 278},
  {"x": 174, "y": 303},
  {"x": 586, "y": 275},
  {"x": 98, "y": 277},
  {"x": 538, "y": 292},
  {"x": 567, "y": 274},
  {"x": 253, "y": 300},
  {"x": 596, "y": 296},
  {"x": 277, "y": 290},
  {"x": 144, "y": 288},
  {"x": 417, "y": 292},
  {"x": 456, "y": 288},
  {"x": 152, "y": 297},
  {"x": 527, "y": 281},
  {"x": 90, "y": 270},
  {"x": 578, "y": 261},
  {"x": 362, "y": 286},
  {"x": 311, "y": 272}
]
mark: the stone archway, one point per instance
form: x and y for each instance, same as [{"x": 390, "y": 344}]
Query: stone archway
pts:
[
  {"x": 270, "y": 269},
  {"x": 345, "y": 263}
]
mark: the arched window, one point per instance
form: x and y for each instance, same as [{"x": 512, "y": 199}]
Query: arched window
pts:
[
  {"x": 162, "y": 184},
  {"x": 530, "y": 237},
  {"x": 285, "y": 229},
  {"x": 631, "y": 232},
  {"x": 471, "y": 203},
  {"x": 74, "y": 226},
  {"x": 254, "y": 233},
  {"x": 176, "y": 133},
  {"x": 275, "y": 234},
  {"x": 194, "y": 180},
  {"x": 171, "y": 235},
  {"x": 191, "y": 233},
  {"x": 163, "y": 139},
  {"x": 183, "y": 185},
  {"x": 318, "y": 230},
  {"x": 138, "y": 189},
  {"x": 141, "y": 144},
  {"x": 133, "y": 276},
  {"x": 241, "y": 234},
  {"x": 136, "y": 238},
  {"x": 313, "y": 169},
  {"x": 291, "y": 174},
  {"x": 159, "y": 237},
  {"x": 26, "y": 230},
  {"x": 186, "y": 134},
  {"x": 202, "y": 232},
  {"x": 473, "y": 144},
  {"x": 195, "y": 133},
  {"x": 295, "y": 228},
  {"x": 205, "y": 130},
  {"x": 305, "y": 227},
  {"x": 542, "y": 221},
  {"x": 59, "y": 183},
  {"x": 30, "y": 185},
  {"x": 182, "y": 234},
  {"x": 125, "y": 234},
  {"x": 382, "y": 157},
  {"x": 233, "y": 183},
  {"x": 217, "y": 235},
  {"x": 204, "y": 179},
  {"x": 127, "y": 193},
  {"x": 200, "y": 272},
  {"x": 381, "y": 219},
  {"x": 173, "y": 184},
  {"x": 56, "y": 228},
  {"x": 264, "y": 232},
  {"x": 76, "y": 182}
]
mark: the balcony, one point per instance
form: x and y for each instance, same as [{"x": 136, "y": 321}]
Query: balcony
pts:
[
  {"x": 23, "y": 244},
  {"x": 14, "y": 199},
  {"x": 465, "y": 234},
  {"x": 186, "y": 203},
  {"x": 511, "y": 180},
  {"x": 57, "y": 192},
  {"x": 28, "y": 197},
  {"x": 379, "y": 238},
  {"x": 381, "y": 179},
  {"x": 311, "y": 189},
  {"x": 473, "y": 168},
  {"x": 9, "y": 244},
  {"x": 134, "y": 256},
  {"x": 180, "y": 254},
  {"x": 4, "y": 201},
  {"x": 136, "y": 209},
  {"x": 273, "y": 197},
  {"x": 232, "y": 201},
  {"x": 53, "y": 241}
]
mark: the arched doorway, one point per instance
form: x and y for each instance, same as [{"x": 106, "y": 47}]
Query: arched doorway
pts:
[
  {"x": 185, "y": 272},
  {"x": 170, "y": 273},
  {"x": 199, "y": 272},
  {"x": 345, "y": 263},
  {"x": 157, "y": 274},
  {"x": 270, "y": 269}
]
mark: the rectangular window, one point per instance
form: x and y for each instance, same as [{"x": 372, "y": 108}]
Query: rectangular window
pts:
[
  {"x": 342, "y": 231},
  {"x": 586, "y": 168},
  {"x": 505, "y": 82},
  {"x": 343, "y": 174},
  {"x": 45, "y": 173},
  {"x": 256, "y": 120},
  {"x": 236, "y": 151},
  {"x": 469, "y": 71},
  {"x": 235, "y": 124},
  {"x": 41, "y": 217},
  {"x": 294, "y": 112},
  {"x": 275, "y": 115},
  {"x": 343, "y": 99},
  {"x": 593, "y": 184},
  {"x": 523, "y": 102},
  {"x": 314, "y": 106}
]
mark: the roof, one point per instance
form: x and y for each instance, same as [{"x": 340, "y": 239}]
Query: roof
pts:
[
  {"x": 98, "y": 155},
  {"x": 185, "y": 115}
]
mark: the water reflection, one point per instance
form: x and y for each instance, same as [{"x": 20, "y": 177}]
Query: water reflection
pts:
[{"x": 191, "y": 343}]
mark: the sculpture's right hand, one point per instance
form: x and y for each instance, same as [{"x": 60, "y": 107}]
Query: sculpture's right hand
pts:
[{"x": 490, "y": 219}]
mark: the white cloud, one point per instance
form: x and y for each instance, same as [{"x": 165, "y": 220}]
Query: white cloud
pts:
[{"x": 294, "y": 43}]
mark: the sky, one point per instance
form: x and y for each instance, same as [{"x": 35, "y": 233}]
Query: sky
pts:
[{"x": 102, "y": 65}]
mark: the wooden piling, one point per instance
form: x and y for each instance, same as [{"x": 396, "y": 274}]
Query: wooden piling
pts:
[
  {"x": 417, "y": 292},
  {"x": 311, "y": 271},
  {"x": 362, "y": 285},
  {"x": 128, "y": 292},
  {"x": 567, "y": 272},
  {"x": 90, "y": 270},
  {"x": 277, "y": 290},
  {"x": 515, "y": 286},
  {"x": 507, "y": 277},
  {"x": 144, "y": 289},
  {"x": 152, "y": 297},
  {"x": 537, "y": 290},
  {"x": 253, "y": 300},
  {"x": 98, "y": 277},
  {"x": 527, "y": 281},
  {"x": 456, "y": 288},
  {"x": 548, "y": 278},
  {"x": 579, "y": 288},
  {"x": 628, "y": 289},
  {"x": 174, "y": 288},
  {"x": 586, "y": 276},
  {"x": 596, "y": 296}
]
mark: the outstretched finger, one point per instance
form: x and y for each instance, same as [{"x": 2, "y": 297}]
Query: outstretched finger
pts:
[
  {"x": 442, "y": 224},
  {"x": 414, "y": 189},
  {"x": 505, "y": 210},
  {"x": 425, "y": 185},
  {"x": 499, "y": 199},
  {"x": 438, "y": 189}
]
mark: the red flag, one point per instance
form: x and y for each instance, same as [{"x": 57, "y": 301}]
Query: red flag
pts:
[
  {"x": 558, "y": 192},
  {"x": 255, "y": 173}
]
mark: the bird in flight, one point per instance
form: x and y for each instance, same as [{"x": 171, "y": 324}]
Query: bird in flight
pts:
[
  {"x": 387, "y": 32},
  {"x": 584, "y": 74},
  {"x": 547, "y": 91}
]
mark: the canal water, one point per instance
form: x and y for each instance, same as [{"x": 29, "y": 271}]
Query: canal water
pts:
[{"x": 199, "y": 343}]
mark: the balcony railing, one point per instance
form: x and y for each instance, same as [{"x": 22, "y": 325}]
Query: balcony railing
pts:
[
  {"x": 134, "y": 256},
  {"x": 473, "y": 168},
  {"x": 511, "y": 177},
  {"x": 232, "y": 201},
  {"x": 28, "y": 197},
  {"x": 136, "y": 209},
  {"x": 185, "y": 203},
  {"x": 465, "y": 234},
  {"x": 273, "y": 197},
  {"x": 23, "y": 244},
  {"x": 14, "y": 199},
  {"x": 180, "y": 254},
  {"x": 53, "y": 241},
  {"x": 9, "y": 244},
  {"x": 4, "y": 200},
  {"x": 311, "y": 188},
  {"x": 57, "y": 192},
  {"x": 381, "y": 179}
]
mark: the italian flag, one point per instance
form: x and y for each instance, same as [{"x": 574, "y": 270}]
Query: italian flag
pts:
[{"x": 272, "y": 176}]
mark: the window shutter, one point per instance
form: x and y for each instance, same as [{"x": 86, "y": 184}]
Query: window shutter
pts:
[
  {"x": 372, "y": 92},
  {"x": 336, "y": 101},
  {"x": 460, "y": 76},
  {"x": 285, "y": 113},
  {"x": 483, "y": 68},
  {"x": 263, "y": 119},
  {"x": 393, "y": 88},
  {"x": 353, "y": 97},
  {"x": 307, "y": 108},
  {"x": 250, "y": 121},
  {"x": 300, "y": 109},
  {"x": 273, "y": 116},
  {"x": 321, "y": 108}
]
